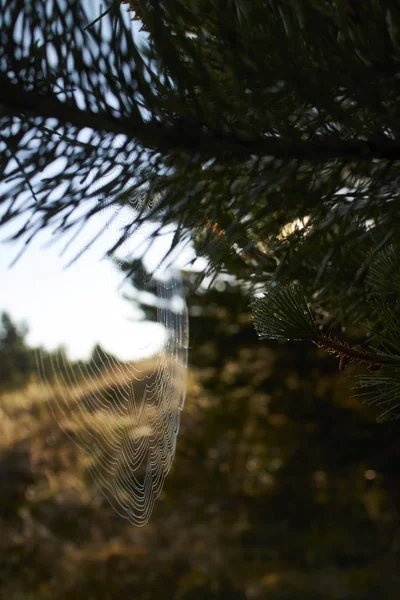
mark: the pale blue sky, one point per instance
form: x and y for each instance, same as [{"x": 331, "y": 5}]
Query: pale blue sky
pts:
[{"x": 81, "y": 305}]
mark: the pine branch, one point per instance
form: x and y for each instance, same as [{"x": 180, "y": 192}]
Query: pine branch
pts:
[
  {"x": 285, "y": 141},
  {"x": 383, "y": 275},
  {"x": 382, "y": 391},
  {"x": 283, "y": 313},
  {"x": 16, "y": 101},
  {"x": 347, "y": 353}
]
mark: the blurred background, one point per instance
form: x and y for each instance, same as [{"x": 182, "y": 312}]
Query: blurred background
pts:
[{"x": 284, "y": 485}]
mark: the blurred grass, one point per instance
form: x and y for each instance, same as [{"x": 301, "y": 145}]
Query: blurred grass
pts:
[
  {"x": 54, "y": 519},
  {"x": 239, "y": 518}
]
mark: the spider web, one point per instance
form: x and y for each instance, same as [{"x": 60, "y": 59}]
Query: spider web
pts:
[{"x": 124, "y": 415}]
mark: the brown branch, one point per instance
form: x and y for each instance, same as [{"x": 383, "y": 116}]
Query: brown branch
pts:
[
  {"x": 189, "y": 136},
  {"x": 343, "y": 350}
]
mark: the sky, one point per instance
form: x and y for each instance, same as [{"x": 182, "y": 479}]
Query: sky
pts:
[{"x": 81, "y": 305}]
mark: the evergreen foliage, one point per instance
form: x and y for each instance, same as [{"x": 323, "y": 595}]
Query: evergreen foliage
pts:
[
  {"x": 267, "y": 132},
  {"x": 283, "y": 313},
  {"x": 16, "y": 362}
]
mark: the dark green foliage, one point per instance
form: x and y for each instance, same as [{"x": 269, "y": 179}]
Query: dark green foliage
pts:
[
  {"x": 382, "y": 391},
  {"x": 283, "y": 313},
  {"x": 266, "y": 132},
  {"x": 16, "y": 362},
  {"x": 384, "y": 273},
  {"x": 251, "y": 117}
]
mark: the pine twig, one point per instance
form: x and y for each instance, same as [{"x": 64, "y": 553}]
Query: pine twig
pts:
[{"x": 347, "y": 353}]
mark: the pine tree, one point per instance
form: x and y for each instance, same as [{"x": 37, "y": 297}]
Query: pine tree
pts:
[
  {"x": 16, "y": 363},
  {"x": 266, "y": 132}
]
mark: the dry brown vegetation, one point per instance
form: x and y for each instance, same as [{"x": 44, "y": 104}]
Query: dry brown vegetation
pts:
[
  {"x": 281, "y": 489},
  {"x": 59, "y": 535}
]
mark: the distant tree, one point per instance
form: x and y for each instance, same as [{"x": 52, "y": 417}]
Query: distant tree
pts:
[
  {"x": 16, "y": 362},
  {"x": 101, "y": 359},
  {"x": 266, "y": 132},
  {"x": 12, "y": 337}
]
